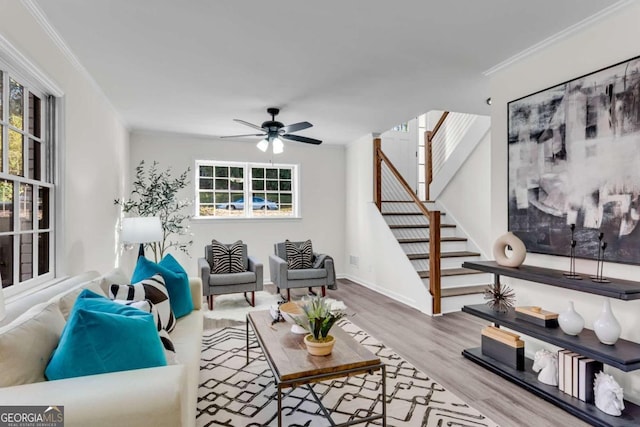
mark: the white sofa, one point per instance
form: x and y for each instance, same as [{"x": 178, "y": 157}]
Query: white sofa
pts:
[{"x": 162, "y": 396}]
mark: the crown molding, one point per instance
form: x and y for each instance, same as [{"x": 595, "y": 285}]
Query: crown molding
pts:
[
  {"x": 26, "y": 67},
  {"x": 559, "y": 36},
  {"x": 41, "y": 19}
]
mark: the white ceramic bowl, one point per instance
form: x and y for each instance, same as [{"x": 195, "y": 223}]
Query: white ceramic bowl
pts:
[{"x": 289, "y": 309}]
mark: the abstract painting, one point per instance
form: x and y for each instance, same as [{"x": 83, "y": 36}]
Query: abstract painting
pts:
[{"x": 574, "y": 158}]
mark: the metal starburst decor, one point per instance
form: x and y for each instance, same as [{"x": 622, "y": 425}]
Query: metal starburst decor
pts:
[{"x": 499, "y": 297}]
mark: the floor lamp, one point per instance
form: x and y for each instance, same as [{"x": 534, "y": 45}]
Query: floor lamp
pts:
[{"x": 141, "y": 229}]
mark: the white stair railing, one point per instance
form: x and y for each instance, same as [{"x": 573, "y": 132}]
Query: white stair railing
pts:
[{"x": 446, "y": 140}]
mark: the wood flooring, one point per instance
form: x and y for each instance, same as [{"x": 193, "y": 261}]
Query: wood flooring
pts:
[{"x": 434, "y": 345}]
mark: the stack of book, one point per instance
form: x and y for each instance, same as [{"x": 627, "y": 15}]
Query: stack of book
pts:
[{"x": 576, "y": 374}]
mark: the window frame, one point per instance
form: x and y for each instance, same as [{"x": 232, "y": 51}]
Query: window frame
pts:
[
  {"x": 247, "y": 191},
  {"x": 18, "y": 68}
]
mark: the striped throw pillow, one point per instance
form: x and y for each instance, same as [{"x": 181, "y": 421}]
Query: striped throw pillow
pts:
[
  {"x": 226, "y": 258},
  {"x": 148, "y": 307},
  {"x": 299, "y": 257},
  {"x": 152, "y": 289}
]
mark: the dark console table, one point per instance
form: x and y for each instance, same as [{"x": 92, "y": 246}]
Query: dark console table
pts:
[{"x": 624, "y": 355}]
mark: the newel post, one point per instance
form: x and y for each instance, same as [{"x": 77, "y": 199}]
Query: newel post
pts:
[
  {"x": 434, "y": 260},
  {"x": 377, "y": 173}
]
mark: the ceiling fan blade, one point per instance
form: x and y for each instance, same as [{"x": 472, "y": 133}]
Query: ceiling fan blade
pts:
[
  {"x": 241, "y": 136},
  {"x": 248, "y": 124},
  {"x": 296, "y": 127},
  {"x": 302, "y": 139}
]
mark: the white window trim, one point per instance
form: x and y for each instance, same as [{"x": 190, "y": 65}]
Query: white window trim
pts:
[
  {"x": 248, "y": 212},
  {"x": 25, "y": 71}
]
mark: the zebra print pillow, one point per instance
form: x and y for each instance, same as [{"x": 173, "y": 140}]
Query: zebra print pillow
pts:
[
  {"x": 148, "y": 307},
  {"x": 152, "y": 289},
  {"x": 299, "y": 257},
  {"x": 226, "y": 258}
]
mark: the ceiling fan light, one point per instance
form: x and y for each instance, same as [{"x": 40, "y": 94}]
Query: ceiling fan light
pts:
[
  {"x": 278, "y": 146},
  {"x": 263, "y": 145}
]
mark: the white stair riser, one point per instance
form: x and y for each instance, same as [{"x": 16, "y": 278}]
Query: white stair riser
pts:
[
  {"x": 422, "y": 248},
  {"x": 405, "y": 220},
  {"x": 410, "y": 219},
  {"x": 421, "y": 233},
  {"x": 463, "y": 280},
  {"x": 390, "y": 207},
  {"x": 453, "y": 304}
]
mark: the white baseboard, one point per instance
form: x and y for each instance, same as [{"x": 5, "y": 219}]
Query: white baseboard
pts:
[
  {"x": 386, "y": 292},
  {"x": 378, "y": 289}
]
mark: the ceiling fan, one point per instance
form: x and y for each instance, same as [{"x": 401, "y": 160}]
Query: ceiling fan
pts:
[{"x": 274, "y": 132}]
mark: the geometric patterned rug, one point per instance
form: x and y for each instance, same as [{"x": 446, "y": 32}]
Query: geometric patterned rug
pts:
[{"x": 235, "y": 394}]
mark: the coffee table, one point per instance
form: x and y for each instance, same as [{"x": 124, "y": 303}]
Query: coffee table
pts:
[{"x": 292, "y": 366}]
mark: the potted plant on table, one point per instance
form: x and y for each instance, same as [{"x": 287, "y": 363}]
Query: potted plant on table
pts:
[{"x": 318, "y": 318}]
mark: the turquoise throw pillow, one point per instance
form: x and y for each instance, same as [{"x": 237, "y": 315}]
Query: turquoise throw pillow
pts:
[
  {"x": 175, "y": 279},
  {"x": 103, "y": 336}
]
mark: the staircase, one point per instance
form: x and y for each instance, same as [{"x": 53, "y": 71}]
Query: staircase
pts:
[
  {"x": 459, "y": 286},
  {"x": 436, "y": 253}
]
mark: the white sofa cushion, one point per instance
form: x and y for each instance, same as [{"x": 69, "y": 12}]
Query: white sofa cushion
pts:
[
  {"x": 26, "y": 344},
  {"x": 114, "y": 277},
  {"x": 68, "y": 299},
  {"x": 18, "y": 306}
]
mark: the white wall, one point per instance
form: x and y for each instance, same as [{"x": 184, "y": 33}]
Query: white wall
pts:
[
  {"x": 322, "y": 194},
  {"x": 604, "y": 43},
  {"x": 373, "y": 256},
  {"x": 465, "y": 198},
  {"x": 94, "y": 149}
]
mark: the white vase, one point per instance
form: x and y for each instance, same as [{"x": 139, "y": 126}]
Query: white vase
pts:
[
  {"x": 570, "y": 321},
  {"x": 607, "y": 327}
]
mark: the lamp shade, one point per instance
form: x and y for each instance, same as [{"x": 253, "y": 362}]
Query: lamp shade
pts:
[
  {"x": 141, "y": 229},
  {"x": 278, "y": 146},
  {"x": 263, "y": 145}
]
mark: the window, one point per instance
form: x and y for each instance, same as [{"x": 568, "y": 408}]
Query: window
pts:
[
  {"x": 223, "y": 187},
  {"x": 26, "y": 187},
  {"x": 403, "y": 127}
]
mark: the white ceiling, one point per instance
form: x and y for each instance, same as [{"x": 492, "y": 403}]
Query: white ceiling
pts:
[{"x": 350, "y": 67}]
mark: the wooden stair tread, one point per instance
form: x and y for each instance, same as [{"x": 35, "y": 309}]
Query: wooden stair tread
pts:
[
  {"x": 408, "y": 213},
  {"x": 407, "y": 201},
  {"x": 398, "y": 226},
  {"x": 462, "y": 290},
  {"x": 442, "y": 239},
  {"x": 449, "y": 272},
  {"x": 443, "y": 255}
]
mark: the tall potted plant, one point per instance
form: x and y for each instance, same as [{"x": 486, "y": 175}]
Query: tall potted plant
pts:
[
  {"x": 155, "y": 193},
  {"x": 318, "y": 318}
]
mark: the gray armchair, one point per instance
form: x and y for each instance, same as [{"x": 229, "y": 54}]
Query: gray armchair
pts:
[
  {"x": 322, "y": 275},
  {"x": 250, "y": 280}
]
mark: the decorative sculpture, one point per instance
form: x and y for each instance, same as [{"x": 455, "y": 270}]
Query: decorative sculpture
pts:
[
  {"x": 571, "y": 274},
  {"x": 608, "y": 394},
  {"x": 546, "y": 362},
  {"x": 519, "y": 251},
  {"x": 499, "y": 297},
  {"x": 600, "y": 262}
]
